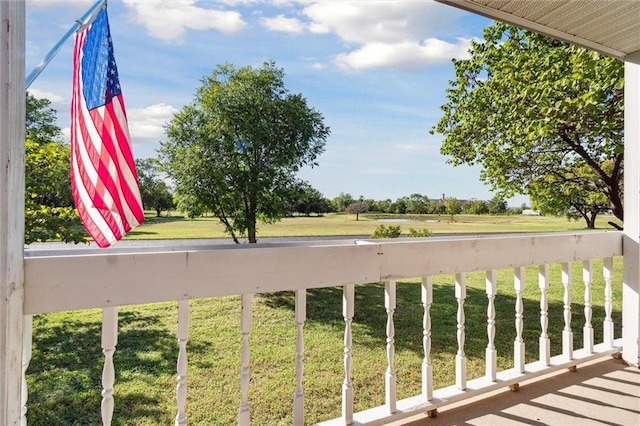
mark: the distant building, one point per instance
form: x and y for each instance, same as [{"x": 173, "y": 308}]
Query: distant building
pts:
[{"x": 529, "y": 212}]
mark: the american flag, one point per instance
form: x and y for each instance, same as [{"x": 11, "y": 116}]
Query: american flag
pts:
[{"x": 104, "y": 181}]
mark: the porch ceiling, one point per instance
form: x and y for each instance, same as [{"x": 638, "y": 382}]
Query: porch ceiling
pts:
[{"x": 608, "y": 26}]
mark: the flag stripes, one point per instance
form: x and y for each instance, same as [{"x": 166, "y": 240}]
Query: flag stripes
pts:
[{"x": 104, "y": 181}]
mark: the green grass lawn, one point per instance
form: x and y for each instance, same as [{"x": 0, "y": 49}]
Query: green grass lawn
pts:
[
  {"x": 65, "y": 372},
  {"x": 342, "y": 224}
]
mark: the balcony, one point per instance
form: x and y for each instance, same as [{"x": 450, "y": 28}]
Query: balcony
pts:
[{"x": 120, "y": 277}]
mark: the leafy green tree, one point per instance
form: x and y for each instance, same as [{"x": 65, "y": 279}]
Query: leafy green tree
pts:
[
  {"x": 572, "y": 196},
  {"x": 399, "y": 206},
  {"x": 40, "y": 121},
  {"x": 532, "y": 109},
  {"x": 236, "y": 149},
  {"x": 357, "y": 208},
  {"x": 436, "y": 207},
  {"x": 49, "y": 211},
  {"x": 309, "y": 200},
  {"x": 384, "y": 206},
  {"x": 341, "y": 202},
  {"x": 154, "y": 191},
  {"x": 497, "y": 205},
  {"x": 452, "y": 206},
  {"x": 417, "y": 204},
  {"x": 478, "y": 207}
]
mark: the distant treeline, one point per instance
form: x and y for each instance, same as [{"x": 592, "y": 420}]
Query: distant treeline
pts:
[{"x": 310, "y": 201}]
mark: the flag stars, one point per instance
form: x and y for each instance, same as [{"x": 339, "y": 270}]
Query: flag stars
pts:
[{"x": 99, "y": 70}]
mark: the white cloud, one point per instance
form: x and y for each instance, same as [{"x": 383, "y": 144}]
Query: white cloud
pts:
[
  {"x": 40, "y": 94},
  {"x": 380, "y": 34},
  {"x": 169, "y": 20},
  {"x": 406, "y": 54},
  {"x": 381, "y": 21},
  {"x": 283, "y": 24},
  {"x": 148, "y": 122}
]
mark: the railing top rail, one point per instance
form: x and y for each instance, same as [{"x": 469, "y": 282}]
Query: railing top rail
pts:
[
  {"x": 80, "y": 279},
  {"x": 164, "y": 246}
]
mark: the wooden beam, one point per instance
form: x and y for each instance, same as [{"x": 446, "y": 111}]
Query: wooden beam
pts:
[
  {"x": 631, "y": 281},
  {"x": 12, "y": 121}
]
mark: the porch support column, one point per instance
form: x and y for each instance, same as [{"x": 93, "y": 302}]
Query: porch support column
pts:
[
  {"x": 12, "y": 110},
  {"x": 631, "y": 280}
]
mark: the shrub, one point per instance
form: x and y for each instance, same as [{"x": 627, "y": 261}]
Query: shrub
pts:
[
  {"x": 383, "y": 231},
  {"x": 419, "y": 233}
]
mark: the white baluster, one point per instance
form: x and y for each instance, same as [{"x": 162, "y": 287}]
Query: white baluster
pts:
[
  {"x": 183, "y": 337},
  {"x": 244, "y": 417},
  {"x": 109, "y": 342},
  {"x": 298, "y": 394},
  {"x": 491, "y": 354},
  {"x": 427, "y": 367},
  {"x": 347, "y": 385},
  {"x": 567, "y": 333},
  {"x": 607, "y": 325},
  {"x": 587, "y": 331},
  {"x": 27, "y": 344},
  {"x": 390, "y": 376},
  {"x": 461, "y": 359},
  {"x": 545, "y": 342},
  {"x": 518, "y": 344}
]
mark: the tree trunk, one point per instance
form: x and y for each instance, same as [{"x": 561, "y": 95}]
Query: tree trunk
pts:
[
  {"x": 251, "y": 228},
  {"x": 590, "y": 218},
  {"x": 235, "y": 239}
]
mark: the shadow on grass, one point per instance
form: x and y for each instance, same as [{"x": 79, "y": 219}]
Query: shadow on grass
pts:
[
  {"x": 324, "y": 305},
  {"x": 154, "y": 220},
  {"x": 134, "y": 233},
  {"x": 68, "y": 361}
]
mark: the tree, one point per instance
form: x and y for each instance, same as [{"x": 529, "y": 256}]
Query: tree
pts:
[
  {"x": 417, "y": 204},
  {"x": 532, "y": 109},
  {"x": 436, "y": 207},
  {"x": 572, "y": 198},
  {"x": 341, "y": 202},
  {"x": 235, "y": 150},
  {"x": 399, "y": 206},
  {"x": 357, "y": 208},
  {"x": 452, "y": 206},
  {"x": 478, "y": 207},
  {"x": 309, "y": 200},
  {"x": 497, "y": 205},
  {"x": 49, "y": 211},
  {"x": 154, "y": 191},
  {"x": 40, "y": 121}
]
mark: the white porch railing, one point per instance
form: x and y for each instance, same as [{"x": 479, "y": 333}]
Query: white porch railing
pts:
[{"x": 108, "y": 279}]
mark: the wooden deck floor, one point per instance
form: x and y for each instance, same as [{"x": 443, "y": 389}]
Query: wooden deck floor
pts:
[{"x": 603, "y": 392}]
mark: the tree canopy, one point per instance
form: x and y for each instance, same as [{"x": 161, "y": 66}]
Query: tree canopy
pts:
[
  {"x": 534, "y": 111},
  {"x": 49, "y": 211},
  {"x": 357, "y": 208},
  {"x": 154, "y": 191},
  {"x": 236, "y": 149},
  {"x": 307, "y": 200}
]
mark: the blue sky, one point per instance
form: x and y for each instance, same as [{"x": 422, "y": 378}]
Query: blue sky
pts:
[{"x": 376, "y": 70}]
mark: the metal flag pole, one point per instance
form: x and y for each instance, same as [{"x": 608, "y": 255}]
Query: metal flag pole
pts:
[{"x": 79, "y": 23}]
